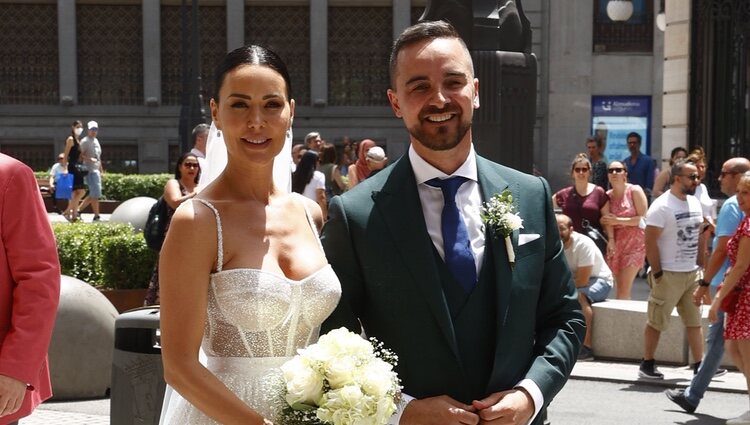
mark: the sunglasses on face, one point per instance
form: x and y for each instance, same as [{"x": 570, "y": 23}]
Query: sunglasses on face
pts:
[
  {"x": 616, "y": 170},
  {"x": 191, "y": 165},
  {"x": 693, "y": 177},
  {"x": 581, "y": 170}
]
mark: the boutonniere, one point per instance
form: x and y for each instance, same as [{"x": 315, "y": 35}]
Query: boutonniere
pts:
[{"x": 500, "y": 216}]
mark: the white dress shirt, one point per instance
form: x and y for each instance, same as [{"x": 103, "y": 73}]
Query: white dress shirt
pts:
[{"x": 469, "y": 203}]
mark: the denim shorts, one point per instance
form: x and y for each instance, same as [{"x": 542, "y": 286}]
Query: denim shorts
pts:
[
  {"x": 597, "y": 289},
  {"x": 94, "y": 182}
]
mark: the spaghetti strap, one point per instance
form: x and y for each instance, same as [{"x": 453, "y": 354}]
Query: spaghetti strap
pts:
[
  {"x": 310, "y": 221},
  {"x": 220, "y": 247}
]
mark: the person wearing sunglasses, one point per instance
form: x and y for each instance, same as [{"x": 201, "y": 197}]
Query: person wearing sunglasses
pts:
[
  {"x": 673, "y": 225},
  {"x": 182, "y": 187},
  {"x": 583, "y": 202},
  {"x": 626, "y": 250}
]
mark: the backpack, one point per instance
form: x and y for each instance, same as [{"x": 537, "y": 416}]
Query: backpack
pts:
[{"x": 156, "y": 224}]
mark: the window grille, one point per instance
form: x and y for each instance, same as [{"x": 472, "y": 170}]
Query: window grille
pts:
[
  {"x": 213, "y": 47},
  {"x": 635, "y": 35},
  {"x": 38, "y": 157},
  {"x": 286, "y": 31},
  {"x": 110, "y": 54},
  {"x": 120, "y": 158},
  {"x": 359, "y": 46},
  {"x": 29, "y": 78}
]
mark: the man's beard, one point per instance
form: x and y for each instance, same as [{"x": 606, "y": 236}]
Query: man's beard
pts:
[
  {"x": 686, "y": 190},
  {"x": 444, "y": 139}
]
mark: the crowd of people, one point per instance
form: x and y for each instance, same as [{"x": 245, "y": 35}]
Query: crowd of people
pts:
[
  {"x": 251, "y": 272},
  {"x": 665, "y": 224}
]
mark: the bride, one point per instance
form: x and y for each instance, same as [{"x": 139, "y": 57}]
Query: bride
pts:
[{"x": 243, "y": 275}]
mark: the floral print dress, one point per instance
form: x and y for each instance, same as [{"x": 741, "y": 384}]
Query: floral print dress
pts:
[
  {"x": 630, "y": 241},
  {"x": 737, "y": 324}
]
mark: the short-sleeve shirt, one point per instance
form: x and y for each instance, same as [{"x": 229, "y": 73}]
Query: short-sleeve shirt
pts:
[
  {"x": 318, "y": 181},
  {"x": 730, "y": 217},
  {"x": 579, "y": 207},
  {"x": 583, "y": 253},
  {"x": 93, "y": 152},
  {"x": 680, "y": 222},
  {"x": 701, "y": 192}
]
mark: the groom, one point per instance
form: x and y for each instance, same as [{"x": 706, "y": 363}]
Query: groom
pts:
[{"x": 478, "y": 339}]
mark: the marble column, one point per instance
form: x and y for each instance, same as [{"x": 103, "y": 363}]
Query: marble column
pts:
[
  {"x": 66, "y": 40},
  {"x": 319, "y": 52},
  {"x": 151, "y": 52},
  {"x": 235, "y": 24}
]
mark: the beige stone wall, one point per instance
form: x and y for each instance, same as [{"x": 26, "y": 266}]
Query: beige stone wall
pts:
[{"x": 675, "y": 113}]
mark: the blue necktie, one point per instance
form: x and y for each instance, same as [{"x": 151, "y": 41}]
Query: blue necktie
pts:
[{"x": 458, "y": 255}]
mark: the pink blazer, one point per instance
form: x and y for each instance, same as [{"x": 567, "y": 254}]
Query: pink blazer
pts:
[{"x": 29, "y": 284}]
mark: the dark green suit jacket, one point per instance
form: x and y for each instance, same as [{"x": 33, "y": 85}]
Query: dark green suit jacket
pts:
[{"x": 377, "y": 242}]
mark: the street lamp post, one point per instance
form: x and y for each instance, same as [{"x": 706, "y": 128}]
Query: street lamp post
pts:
[{"x": 192, "y": 111}]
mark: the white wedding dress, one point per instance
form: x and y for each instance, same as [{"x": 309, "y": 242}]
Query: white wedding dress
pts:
[{"x": 256, "y": 321}]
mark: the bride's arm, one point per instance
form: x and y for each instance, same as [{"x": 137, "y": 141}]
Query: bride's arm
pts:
[{"x": 187, "y": 258}]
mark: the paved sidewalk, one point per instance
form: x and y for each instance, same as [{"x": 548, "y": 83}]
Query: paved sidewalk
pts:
[{"x": 96, "y": 412}]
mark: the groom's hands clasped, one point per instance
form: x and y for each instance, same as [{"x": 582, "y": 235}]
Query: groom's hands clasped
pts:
[
  {"x": 512, "y": 407},
  {"x": 440, "y": 410}
]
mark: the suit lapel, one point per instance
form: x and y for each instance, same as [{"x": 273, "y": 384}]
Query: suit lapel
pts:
[
  {"x": 400, "y": 208},
  {"x": 491, "y": 183}
]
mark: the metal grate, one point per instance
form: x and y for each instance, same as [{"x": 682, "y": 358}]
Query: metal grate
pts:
[
  {"x": 24, "y": 77},
  {"x": 635, "y": 35},
  {"x": 213, "y": 47},
  {"x": 38, "y": 157},
  {"x": 720, "y": 83},
  {"x": 120, "y": 158},
  {"x": 416, "y": 13},
  {"x": 359, "y": 40},
  {"x": 110, "y": 54},
  {"x": 286, "y": 31}
]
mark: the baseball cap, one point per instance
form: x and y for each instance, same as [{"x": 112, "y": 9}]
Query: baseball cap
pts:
[
  {"x": 92, "y": 125},
  {"x": 376, "y": 153}
]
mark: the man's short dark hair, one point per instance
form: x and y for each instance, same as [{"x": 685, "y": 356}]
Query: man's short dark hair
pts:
[
  {"x": 678, "y": 166},
  {"x": 426, "y": 30},
  {"x": 634, "y": 134}
]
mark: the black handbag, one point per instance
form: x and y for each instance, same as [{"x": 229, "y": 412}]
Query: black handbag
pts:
[
  {"x": 595, "y": 235},
  {"x": 82, "y": 170}
]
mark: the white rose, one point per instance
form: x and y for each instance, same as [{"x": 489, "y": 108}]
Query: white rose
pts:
[
  {"x": 376, "y": 378},
  {"x": 303, "y": 384},
  {"x": 343, "y": 342},
  {"x": 340, "y": 371},
  {"x": 343, "y": 406},
  {"x": 513, "y": 221}
]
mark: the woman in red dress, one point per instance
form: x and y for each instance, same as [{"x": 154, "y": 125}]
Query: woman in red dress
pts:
[
  {"x": 626, "y": 251},
  {"x": 737, "y": 325}
]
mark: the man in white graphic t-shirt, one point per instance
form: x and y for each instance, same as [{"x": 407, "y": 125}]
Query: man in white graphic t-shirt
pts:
[{"x": 673, "y": 225}]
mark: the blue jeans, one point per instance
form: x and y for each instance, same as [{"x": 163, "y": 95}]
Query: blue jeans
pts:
[{"x": 711, "y": 360}]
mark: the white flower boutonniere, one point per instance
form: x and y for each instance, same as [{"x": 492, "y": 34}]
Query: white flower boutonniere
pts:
[{"x": 500, "y": 216}]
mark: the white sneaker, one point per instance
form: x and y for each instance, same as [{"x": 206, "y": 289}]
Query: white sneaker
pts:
[{"x": 743, "y": 419}]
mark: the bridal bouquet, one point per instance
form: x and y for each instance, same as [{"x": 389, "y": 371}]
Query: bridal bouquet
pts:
[{"x": 343, "y": 379}]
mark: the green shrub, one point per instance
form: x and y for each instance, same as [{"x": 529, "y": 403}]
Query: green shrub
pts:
[
  {"x": 121, "y": 187},
  {"x": 127, "y": 262},
  {"x": 84, "y": 250}
]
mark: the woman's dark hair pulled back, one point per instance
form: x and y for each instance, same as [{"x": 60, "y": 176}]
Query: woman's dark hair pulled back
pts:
[
  {"x": 304, "y": 171},
  {"x": 250, "y": 55}
]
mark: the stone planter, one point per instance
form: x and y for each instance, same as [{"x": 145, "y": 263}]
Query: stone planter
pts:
[{"x": 125, "y": 299}]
